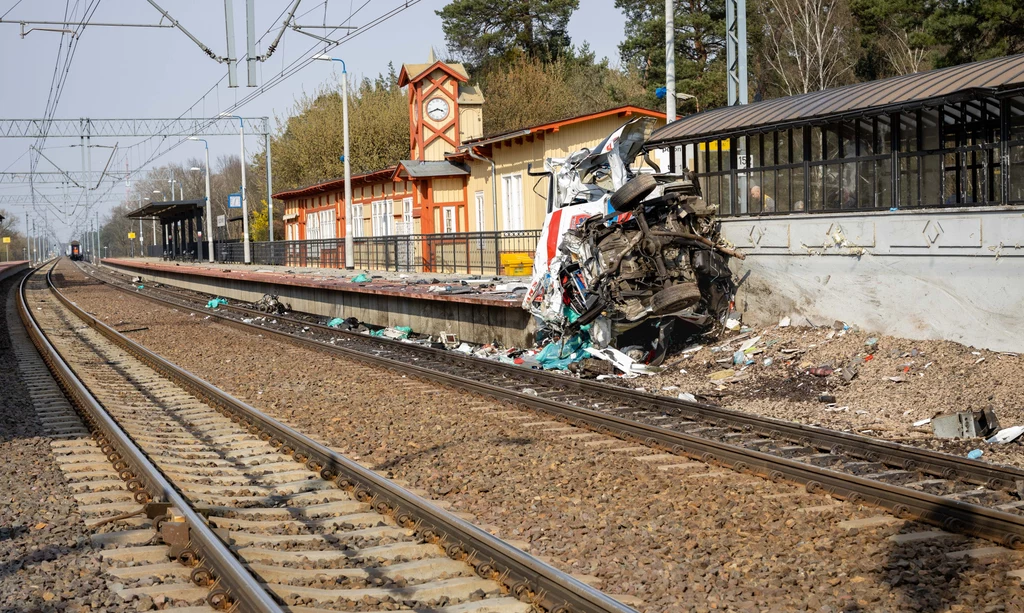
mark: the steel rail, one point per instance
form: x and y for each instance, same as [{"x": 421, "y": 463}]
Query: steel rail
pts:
[
  {"x": 993, "y": 476},
  {"x": 526, "y": 577},
  {"x": 144, "y": 479},
  {"x": 955, "y": 515}
]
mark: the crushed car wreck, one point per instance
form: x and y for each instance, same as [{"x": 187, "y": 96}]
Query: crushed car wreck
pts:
[{"x": 628, "y": 258}]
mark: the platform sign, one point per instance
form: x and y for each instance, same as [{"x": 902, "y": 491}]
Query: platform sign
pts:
[
  {"x": 7, "y": 239},
  {"x": 235, "y": 200},
  {"x": 222, "y": 221},
  {"x": 131, "y": 235}
]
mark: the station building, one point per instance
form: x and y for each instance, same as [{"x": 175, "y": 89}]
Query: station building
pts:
[
  {"x": 896, "y": 204},
  {"x": 448, "y": 184}
]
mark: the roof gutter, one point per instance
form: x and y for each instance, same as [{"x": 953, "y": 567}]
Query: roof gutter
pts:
[{"x": 496, "y": 139}]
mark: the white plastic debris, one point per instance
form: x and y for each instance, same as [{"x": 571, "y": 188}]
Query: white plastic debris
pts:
[
  {"x": 732, "y": 324},
  {"x": 922, "y": 422},
  {"x": 784, "y": 322},
  {"x": 688, "y": 397},
  {"x": 1006, "y": 435}
]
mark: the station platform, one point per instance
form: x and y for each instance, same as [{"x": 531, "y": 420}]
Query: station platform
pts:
[
  {"x": 427, "y": 303},
  {"x": 9, "y": 268}
]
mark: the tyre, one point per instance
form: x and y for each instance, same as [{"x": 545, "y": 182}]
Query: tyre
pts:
[
  {"x": 629, "y": 195},
  {"x": 675, "y": 298}
]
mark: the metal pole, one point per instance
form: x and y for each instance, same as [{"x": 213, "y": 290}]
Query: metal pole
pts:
[
  {"x": 250, "y": 37},
  {"x": 349, "y": 242},
  {"x": 142, "y": 244},
  {"x": 97, "y": 237},
  {"x": 209, "y": 209},
  {"x": 28, "y": 239},
  {"x": 246, "y": 254},
  {"x": 229, "y": 26},
  {"x": 270, "y": 197},
  {"x": 670, "y": 61}
]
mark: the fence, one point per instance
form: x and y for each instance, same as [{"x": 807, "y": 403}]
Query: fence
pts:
[{"x": 499, "y": 253}]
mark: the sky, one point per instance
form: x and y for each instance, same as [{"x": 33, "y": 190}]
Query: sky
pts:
[{"x": 121, "y": 72}]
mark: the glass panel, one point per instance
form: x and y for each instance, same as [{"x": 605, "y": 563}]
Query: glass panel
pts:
[
  {"x": 782, "y": 147},
  {"x": 848, "y": 187},
  {"x": 930, "y": 180},
  {"x": 817, "y": 189},
  {"x": 768, "y": 193},
  {"x": 883, "y": 184},
  {"x": 713, "y": 165},
  {"x": 798, "y": 145},
  {"x": 884, "y": 135},
  {"x": 1016, "y": 117},
  {"x": 727, "y": 203},
  {"x": 711, "y": 186},
  {"x": 833, "y": 187},
  {"x": 754, "y": 151},
  {"x": 816, "y": 137},
  {"x": 770, "y": 142},
  {"x": 1016, "y": 174},
  {"x": 908, "y": 182},
  {"x": 865, "y": 137},
  {"x": 848, "y": 134},
  {"x": 797, "y": 189},
  {"x": 831, "y": 143},
  {"x": 970, "y": 179},
  {"x": 995, "y": 189},
  {"x": 929, "y": 129},
  {"x": 783, "y": 199},
  {"x": 727, "y": 146},
  {"x": 756, "y": 198},
  {"x": 908, "y": 131},
  {"x": 866, "y": 185}
]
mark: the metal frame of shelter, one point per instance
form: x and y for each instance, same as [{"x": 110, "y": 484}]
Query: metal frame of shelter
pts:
[{"x": 181, "y": 223}]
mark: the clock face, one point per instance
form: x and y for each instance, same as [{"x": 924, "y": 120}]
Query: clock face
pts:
[{"x": 437, "y": 108}]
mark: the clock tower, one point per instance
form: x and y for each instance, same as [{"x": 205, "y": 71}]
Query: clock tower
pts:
[{"x": 444, "y": 109}]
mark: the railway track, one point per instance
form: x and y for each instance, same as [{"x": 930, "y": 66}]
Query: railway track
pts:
[
  {"x": 958, "y": 494},
  {"x": 217, "y": 502}
]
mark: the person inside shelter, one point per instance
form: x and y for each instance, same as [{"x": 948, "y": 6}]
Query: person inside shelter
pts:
[{"x": 767, "y": 203}]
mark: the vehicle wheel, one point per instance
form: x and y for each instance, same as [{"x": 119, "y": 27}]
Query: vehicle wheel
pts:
[
  {"x": 630, "y": 194},
  {"x": 675, "y": 298}
]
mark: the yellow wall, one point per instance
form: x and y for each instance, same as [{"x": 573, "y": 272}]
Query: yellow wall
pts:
[
  {"x": 448, "y": 190},
  {"x": 513, "y": 158}
]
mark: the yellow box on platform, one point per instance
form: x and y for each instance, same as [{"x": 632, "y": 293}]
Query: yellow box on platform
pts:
[{"x": 517, "y": 264}]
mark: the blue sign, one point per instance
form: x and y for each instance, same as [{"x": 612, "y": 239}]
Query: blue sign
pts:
[{"x": 235, "y": 200}]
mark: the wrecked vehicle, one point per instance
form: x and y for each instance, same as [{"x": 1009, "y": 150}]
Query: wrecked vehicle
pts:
[{"x": 634, "y": 258}]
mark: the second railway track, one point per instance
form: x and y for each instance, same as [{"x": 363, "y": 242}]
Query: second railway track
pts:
[
  {"x": 257, "y": 513},
  {"x": 961, "y": 495}
]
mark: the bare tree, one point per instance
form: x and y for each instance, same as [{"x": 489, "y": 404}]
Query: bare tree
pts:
[
  {"x": 902, "y": 53},
  {"x": 808, "y": 45}
]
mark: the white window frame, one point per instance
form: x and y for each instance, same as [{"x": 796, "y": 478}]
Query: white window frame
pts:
[
  {"x": 448, "y": 220},
  {"x": 357, "y": 221},
  {"x": 479, "y": 197},
  {"x": 312, "y": 226},
  {"x": 389, "y": 216},
  {"x": 328, "y": 223},
  {"x": 512, "y": 201},
  {"x": 377, "y": 225}
]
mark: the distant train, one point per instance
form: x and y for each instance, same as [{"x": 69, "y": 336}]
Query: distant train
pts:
[{"x": 74, "y": 250}]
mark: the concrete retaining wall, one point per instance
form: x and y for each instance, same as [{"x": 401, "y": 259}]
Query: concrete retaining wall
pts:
[
  {"x": 955, "y": 274},
  {"x": 11, "y": 268},
  {"x": 474, "y": 322}
]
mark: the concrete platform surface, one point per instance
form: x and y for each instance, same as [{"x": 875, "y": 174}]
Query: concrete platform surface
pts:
[{"x": 482, "y": 316}]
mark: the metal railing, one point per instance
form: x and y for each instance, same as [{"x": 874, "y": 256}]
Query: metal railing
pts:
[{"x": 498, "y": 253}]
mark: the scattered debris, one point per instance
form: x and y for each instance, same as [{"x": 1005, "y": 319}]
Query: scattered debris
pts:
[
  {"x": 822, "y": 371},
  {"x": 216, "y": 302},
  {"x": 1006, "y": 435},
  {"x": 826, "y": 397},
  {"x": 361, "y": 278},
  {"x": 270, "y": 304},
  {"x": 871, "y": 342},
  {"x": 974, "y": 454},
  {"x": 965, "y": 424},
  {"x": 688, "y": 397},
  {"x": 922, "y": 422},
  {"x": 784, "y": 322}
]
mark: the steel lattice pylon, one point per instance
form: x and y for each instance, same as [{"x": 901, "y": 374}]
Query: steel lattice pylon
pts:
[
  {"x": 86, "y": 127},
  {"x": 736, "y": 50}
]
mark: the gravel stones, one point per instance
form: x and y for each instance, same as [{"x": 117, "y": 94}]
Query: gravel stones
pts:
[
  {"x": 676, "y": 542},
  {"x": 47, "y": 562}
]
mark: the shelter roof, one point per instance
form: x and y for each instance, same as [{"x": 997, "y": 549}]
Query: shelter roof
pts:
[
  {"x": 335, "y": 184},
  {"x": 895, "y": 93},
  {"x": 554, "y": 126},
  {"x": 168, "y": 209},
  {"x": 416, "y": 169}
]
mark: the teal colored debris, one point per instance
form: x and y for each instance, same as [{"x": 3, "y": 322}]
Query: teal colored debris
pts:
[
  {"x": 361, "y": 278},
  {"x": 334, "y": 323},
  {"x": 569, "y": 314},
  {"x": 216, "y": 302},
  {"x": 396, "y": 333},
  {"x": 140, "y": 287},
  {"x": 558, "y": 355}
]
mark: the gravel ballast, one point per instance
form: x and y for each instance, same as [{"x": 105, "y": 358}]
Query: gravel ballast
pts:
[
  {"x": 47, "y": 562},
  {"x": 673, "y": 540}
]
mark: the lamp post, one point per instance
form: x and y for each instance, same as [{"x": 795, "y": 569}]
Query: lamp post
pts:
[
  {"x": 349, "y": 243},
  {"x": 209, "y": 210},
  {"x": 245, "y": 205}
]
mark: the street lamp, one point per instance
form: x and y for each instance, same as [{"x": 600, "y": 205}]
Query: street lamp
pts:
[
  {"x": 209, "y": 210},
  {"x": 349, "y": 243},
  {"x": 689, "y": 97},
  {"x": 245, "y": 205}
]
